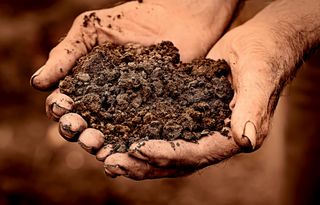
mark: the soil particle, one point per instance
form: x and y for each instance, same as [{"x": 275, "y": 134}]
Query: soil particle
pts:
[
  {"x": 134, "y": 93},
  {"x": 68, "y": 51},
  {"x": 92, "y": 17},
  {"x": 85, "y": 21}
]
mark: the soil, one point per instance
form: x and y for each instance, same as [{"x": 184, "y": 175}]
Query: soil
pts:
[{"x": 133, "y": 93}]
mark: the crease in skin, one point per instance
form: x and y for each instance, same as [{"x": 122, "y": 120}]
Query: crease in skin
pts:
[
  {"x": 89, "y": 33},
  {"x": 139, "y": 27},
  {"x": 85, "y": 147},
  {"x": 125, "y": 170},
  {"x": 105, "y": 35},
  {"x": 148, "y": 30},
  {"x": 56, "y": 106},
  {"x": 75, "y": 50},
  {"x": 115, "y": 169},
  {"x": 54, "y": 114},
  {"x": 109, "y": 174},
  {"x": 109, "y": 165},
  {"x": 139, "y": 154}
]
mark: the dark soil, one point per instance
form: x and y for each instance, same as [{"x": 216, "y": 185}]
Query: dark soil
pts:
[{"x": 133, "y": 93}]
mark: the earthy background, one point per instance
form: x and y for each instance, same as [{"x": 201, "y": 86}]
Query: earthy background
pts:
[{"x": 39, "y": 167}]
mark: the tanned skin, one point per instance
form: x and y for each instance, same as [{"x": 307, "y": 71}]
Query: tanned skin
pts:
[{"x": 264, "y": 54}]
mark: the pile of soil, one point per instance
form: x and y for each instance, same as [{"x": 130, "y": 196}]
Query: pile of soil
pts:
[{"x": 133, "y": 93}]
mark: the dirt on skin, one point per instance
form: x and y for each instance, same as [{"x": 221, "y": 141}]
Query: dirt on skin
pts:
[{"x": 133, "y": 93}]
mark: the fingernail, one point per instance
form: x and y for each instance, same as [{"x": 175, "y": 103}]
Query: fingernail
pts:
[
  {"x": 91, "y": 140},
  {"x": 109, "y": 174},
  {"x": 67, "y": 133},
  {"x": 250, "y": 133},
  {"x": 65, "y": 102},
  {"x": 90, "y": 150},
  {"x": 34, "y": 76},
  {"x": 104, "y": 152},
  {"x": 115, "y": 169},
  {"x": 58, "y": 110},
  {"x": 71, "y": 125}
]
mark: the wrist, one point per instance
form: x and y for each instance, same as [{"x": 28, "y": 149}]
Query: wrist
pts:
[{"x": 294, "y": 27}]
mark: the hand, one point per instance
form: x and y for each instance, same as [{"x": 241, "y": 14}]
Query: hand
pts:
[
  {"x": 263, "y": 56},
  {"x": 145, "y": 23},
  {"x": 249, "y": 50},
  {"x": 131, "y": 22}
]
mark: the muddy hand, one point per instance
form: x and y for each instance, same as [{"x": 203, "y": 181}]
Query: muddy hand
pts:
[
  {"x": 158, "y": 158},
  {"x": 72, "y": 126},
  {"x": 257, "y": 86},
  {"x": 145, "y": 23},
  {"x": 264, "y": 54},
  {"x": 122, "y": 164},
  {"x": 58, "y": 104}
]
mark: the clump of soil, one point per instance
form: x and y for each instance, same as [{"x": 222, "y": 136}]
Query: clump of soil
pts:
[{"x": 133, "y": 93}]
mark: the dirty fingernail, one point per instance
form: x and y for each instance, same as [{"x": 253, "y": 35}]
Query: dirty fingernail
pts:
[
  {"x": 71, "y": 125},
  {"x": 109, "y": 174},
  {"x": 58, "y": 110},
  {"x": 104, "y": 152},
  {"x": 65, "y": 102},
  {"x": 91, "y": 140},
  {"x": 115, "y": 169},
  {"x": 250, "y": 133}
]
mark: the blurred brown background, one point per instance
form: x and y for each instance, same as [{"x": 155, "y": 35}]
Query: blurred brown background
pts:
[{"x": 38, "y": 167}]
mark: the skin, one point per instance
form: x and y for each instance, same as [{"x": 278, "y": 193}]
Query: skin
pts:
[
  {"x": 145, "y": 23},
  {"x": 264, "y": 54}
]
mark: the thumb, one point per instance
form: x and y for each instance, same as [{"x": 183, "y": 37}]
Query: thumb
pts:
[
  {"x": 252, "y": 106},
  {"x": 62, "y": 58}
]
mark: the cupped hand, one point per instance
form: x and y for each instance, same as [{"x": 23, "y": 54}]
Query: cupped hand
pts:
[
  {"x": 263, "y": 55},
  {"x": 258, "y": 75},
  {"x": 191, "y": 26}
]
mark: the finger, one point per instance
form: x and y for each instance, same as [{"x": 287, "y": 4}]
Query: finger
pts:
[
  {"x": 104, "y": 152},
  {"x": 180, "y": 153},
  {"x": 219, "y": 50},
  {"x": 251, "y": 114},
  {"x": 91, "y": 140},
  {"x": 254, "y": 87},
  {"x": 71, "y": 125},
  {"x": 79, "y": 40},
  {"x": 121, "y": 164},
  {"x": 58, "y": 104}
]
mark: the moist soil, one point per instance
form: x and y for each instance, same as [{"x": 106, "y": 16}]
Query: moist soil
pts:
[{"x": 133, "y": 93}]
